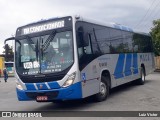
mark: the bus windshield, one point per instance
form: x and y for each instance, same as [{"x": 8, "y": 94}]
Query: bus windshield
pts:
[{"x": 44, "y": 54}]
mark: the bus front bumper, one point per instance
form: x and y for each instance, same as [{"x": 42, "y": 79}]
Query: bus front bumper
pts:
[{"x": 72, "y": 92}]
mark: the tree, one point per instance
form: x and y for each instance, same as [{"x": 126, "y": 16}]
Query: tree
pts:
[
  {"x": 155, "y": 33},
  {"x": 9, "y": 55}
]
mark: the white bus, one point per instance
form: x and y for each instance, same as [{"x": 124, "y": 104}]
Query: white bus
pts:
[
  {"x": 10, "y": 68},
  {"x": 72, "y": 58}
]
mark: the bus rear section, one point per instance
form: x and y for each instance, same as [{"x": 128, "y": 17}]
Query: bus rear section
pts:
[{"x": 110, "y": 56}]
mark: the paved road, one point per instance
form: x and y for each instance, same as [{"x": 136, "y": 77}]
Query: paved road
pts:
[{"x": 128, "y": 97}]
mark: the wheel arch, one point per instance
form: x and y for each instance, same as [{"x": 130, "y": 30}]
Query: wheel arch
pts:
[{"x": 106, "y": 72}]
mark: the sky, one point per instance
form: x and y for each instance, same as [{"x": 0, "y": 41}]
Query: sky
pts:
[{"x": 136, "y": 14}]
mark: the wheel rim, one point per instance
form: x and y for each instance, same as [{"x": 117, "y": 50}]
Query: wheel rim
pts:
[{"x": 103, "y": 89}]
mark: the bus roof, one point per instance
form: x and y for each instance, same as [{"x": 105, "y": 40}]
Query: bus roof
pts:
[
  {"x": 107, "y": 24},
  {"x": 111, "y": 25}
]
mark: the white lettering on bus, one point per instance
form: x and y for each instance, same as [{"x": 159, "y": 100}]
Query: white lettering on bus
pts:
[{"x": 43, "y": 27}]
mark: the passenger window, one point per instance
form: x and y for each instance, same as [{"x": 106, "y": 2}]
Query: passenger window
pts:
[
  {"x": 116, "y": 41},
  {"x": 127, "y": 41},
  {"x": 103, "y": 39}
]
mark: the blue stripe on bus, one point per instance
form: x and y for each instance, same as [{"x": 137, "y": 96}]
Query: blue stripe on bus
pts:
[
  {"x": 30, "y": 86},
  {"x": 128, "y": 65},
  {"x": 41, "y": 86},
  {"x": 53, "y": 85},
  {"x": 135, "y": 63},
  {"x": 118, "y": 73},
  {"x": 72, "y": 92}
]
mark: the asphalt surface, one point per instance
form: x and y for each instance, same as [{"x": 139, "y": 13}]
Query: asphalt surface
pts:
[{"x": 129, "y": 97}]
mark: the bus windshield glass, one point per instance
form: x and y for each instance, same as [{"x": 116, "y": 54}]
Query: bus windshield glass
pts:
[{"x": 44, "y": 54}]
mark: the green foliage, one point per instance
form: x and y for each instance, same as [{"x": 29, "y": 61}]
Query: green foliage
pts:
[{"x": 155, "y": 33}]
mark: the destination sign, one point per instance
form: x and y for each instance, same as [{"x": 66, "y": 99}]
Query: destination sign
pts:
[{"x": 44, "y": 27}]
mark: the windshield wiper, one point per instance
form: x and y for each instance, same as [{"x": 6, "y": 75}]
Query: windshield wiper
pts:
[
  {"x": 49, "y": 39},
  {"x": 40, "y": 47}
]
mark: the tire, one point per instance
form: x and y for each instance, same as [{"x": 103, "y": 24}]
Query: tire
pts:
[
  {"x": 104, "y": 89},
  {"x": 142, "y": 80}
]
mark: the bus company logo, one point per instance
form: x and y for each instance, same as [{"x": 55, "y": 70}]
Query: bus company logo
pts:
[
  {"x": 41, "y": 86},
  {"x": 144, "y": 57}
]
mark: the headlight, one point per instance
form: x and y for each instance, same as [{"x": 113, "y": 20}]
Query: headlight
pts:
[
  {"x": 19, "y": 86},
  {"x": 70, "y": 80}
]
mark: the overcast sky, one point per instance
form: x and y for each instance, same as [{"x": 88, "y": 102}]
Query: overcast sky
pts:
[{"x": 137, "y": 14}]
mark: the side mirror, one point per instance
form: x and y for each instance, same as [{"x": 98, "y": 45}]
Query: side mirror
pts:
[
  {"x": 86, "y": 40},
  {"x": 6, "y": 47},
  {"x": 82, "y": 38},
  {"x": 8, "y": 39},
  {"x": 79, "y": 39}
]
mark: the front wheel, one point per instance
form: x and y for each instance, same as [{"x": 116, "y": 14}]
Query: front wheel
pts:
[{"x": 104, "y": 89}]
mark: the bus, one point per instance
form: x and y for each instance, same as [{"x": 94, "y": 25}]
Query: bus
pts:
[
  {"x": 71, "y": 57},
  {"x": 10, "y": 68}
]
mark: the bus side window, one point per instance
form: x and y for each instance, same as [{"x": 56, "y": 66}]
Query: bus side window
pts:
[
  {"x": 83, "y": 42},
  {"x": 84, "y": 48}
]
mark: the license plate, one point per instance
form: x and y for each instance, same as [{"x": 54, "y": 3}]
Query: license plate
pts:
[{"x": 42, "y": 98}]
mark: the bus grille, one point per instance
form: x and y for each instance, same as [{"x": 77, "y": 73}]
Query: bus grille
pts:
[{"x": 50, "y": 94}]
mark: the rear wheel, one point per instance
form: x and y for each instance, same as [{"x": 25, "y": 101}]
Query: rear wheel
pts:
[
  {"x": 104, "y": 89},
  {"x": 141, "y": 81}
]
